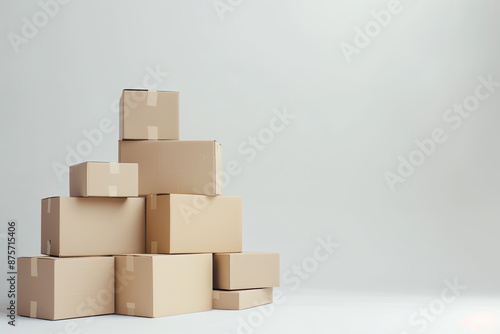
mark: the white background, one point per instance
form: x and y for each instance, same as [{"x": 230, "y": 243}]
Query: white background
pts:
[{"x": 321, "y": 176}]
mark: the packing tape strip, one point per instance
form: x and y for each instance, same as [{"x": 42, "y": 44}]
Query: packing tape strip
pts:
[
  {"x": 130, "y": 308},
  {"x": 152, "y": 132},
  {"x": 48, "y": 205},
  {"x": 153, "y": 202},
  {"x": 112, "y": 191},
  {"x": 49, "y": 243},
  {"x": 33, "y": 307},
  {"x": 152, "y": 98},
  {"x": 114, "y": 168},
  {"x": 129, "y": 263},
  {"x": 34, "y": 267},
  {"x": 154, "y": 247}
]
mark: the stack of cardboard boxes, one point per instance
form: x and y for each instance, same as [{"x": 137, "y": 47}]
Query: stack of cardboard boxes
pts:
[{"x": 149, "y": 236}]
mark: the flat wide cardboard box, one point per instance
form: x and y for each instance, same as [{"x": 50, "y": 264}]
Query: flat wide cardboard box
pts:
[
  {"x": 152, "y": 286},
  {"x": 241, "y": 299},
  {"x": 174, "y": 166},
  {"x": 247, "y": 270},
  {"x": 149, "y": 114},
  {"x": 89, "y": 226},
  {"x": 193, "y": 224},
  {"x": 61, "y": 288},
  {"x": 104, "y": 179}
]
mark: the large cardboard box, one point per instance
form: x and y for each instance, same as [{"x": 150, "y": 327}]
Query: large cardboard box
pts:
[
  {"x": 193, "y": 224},
  {"x": 175, "y": 167},
  {"x": 79, "y": 226},
  {"x": 241, "y": 299},
  {"x": 61, "y": 288},
  {"x": 104, "y": 179},
  {"x": 149, "y": 114},
  {"x": 247, "y": 270},
  {"x": 150, "y": 285}
]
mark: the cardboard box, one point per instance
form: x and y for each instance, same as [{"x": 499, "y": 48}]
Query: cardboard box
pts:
[
  {"x": 62, "y": 288},
  {"x": 149, "y": 114},
  {"x": 247, "y": 270},
  {"x": 241, "y": 299},
  {"x": 80, "y": 226},
  {"x": 104, "y": 179},
  {"x": 175, "y": 167},
  {"x": 162, "y": 285},
  {"x": 193, "y": 224}
]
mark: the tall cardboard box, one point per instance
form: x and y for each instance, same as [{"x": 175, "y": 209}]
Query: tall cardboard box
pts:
[
  {"x": 152, "y": 286},
  {"x": 247, "y": 270},
  {"x": 62, "y": 288},
  {"x": 104, "y": 179},
  {"x": 241, "y": 299},
  {"x": 193, "y": 224},
  {"x": 79, "y": 226},
  {"x": 149, "y": 114},
  {"x": 175, "y": 167}
]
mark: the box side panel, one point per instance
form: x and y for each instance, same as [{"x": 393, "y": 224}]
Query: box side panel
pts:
[
  {"x": 84, "y": 287},
  {"x": 255, "y": 297},
  {"x": 158, "y": 224},
  {"x": 50, "y": 226},
  {"x": 225, "y": 300},
  {"x": 254, "y": 270},
  {"x": 78, "y": 180},
  {"x": 221, "y": 271},
  {"x": 205, "y": 224}
]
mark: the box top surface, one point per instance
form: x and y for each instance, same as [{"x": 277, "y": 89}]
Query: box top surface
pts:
[
  {"x": 246, "y": 253},
  {"x": 146, "y": 90}
]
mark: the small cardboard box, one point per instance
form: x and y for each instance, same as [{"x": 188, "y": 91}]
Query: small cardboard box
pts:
[
  {"x": 86, "y": 226},
  {"x": 247, "y": 270},
  {"x": 241, "y": 299},
  {"x": 149, "y": 114},
  {"x": 193, "y": 224},
  {"x": 161, "y": 285},
  {"x": 175, "y": 167},
  {"x": 104, "y": 179},
  {"x": 61, "y": 288}
]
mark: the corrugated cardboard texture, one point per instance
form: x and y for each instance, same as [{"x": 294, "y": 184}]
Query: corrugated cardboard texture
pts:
[
  {"x": 78, "y": 226},
  {"x": 241, "y": 299},
  {"x": 104, "y": 179},
  {"x": 64, "y": 286},
  {"x": 175, "y": 167},
  {"x": 163, "y": 285},
  {"x": 247, "y": 270},
  {"x": 149, "y": 115},
  {"x": 193, "y": 224}
]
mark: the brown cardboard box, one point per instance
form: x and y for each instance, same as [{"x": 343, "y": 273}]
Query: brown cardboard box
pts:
[
  {"x": 241, "y": 299},
  {"x": 175, "y": 167},
  {"x": 247, "y": 270},
  {"x": 149, "y": 114},
  {"x": 79, "y": 226},
  {"x": 193, "y": 224},
  {"x": 60, "y": 288},
  {"x": 162, "y": 285},
  {"x": 104, "y": 179}
]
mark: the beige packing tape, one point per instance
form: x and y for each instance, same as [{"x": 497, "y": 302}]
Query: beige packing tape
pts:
[
  {"x": 153, "y": 201},
  {"x": 154, "y": 247},
  {"x": 114, "y": 168},
  {"x": 129, "y": 263},
  {"x": 33, "y": 307},
  {"x": 49, "y": 243},
  {"x": 152, "y": 132},
  {"x": 112, "y": 191},
  {"x": 48, "y": 205},
  {"x": 130, "y": 308},
  {"x": 34, "y": 267},
  {"x": 152, "y": 98}
]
